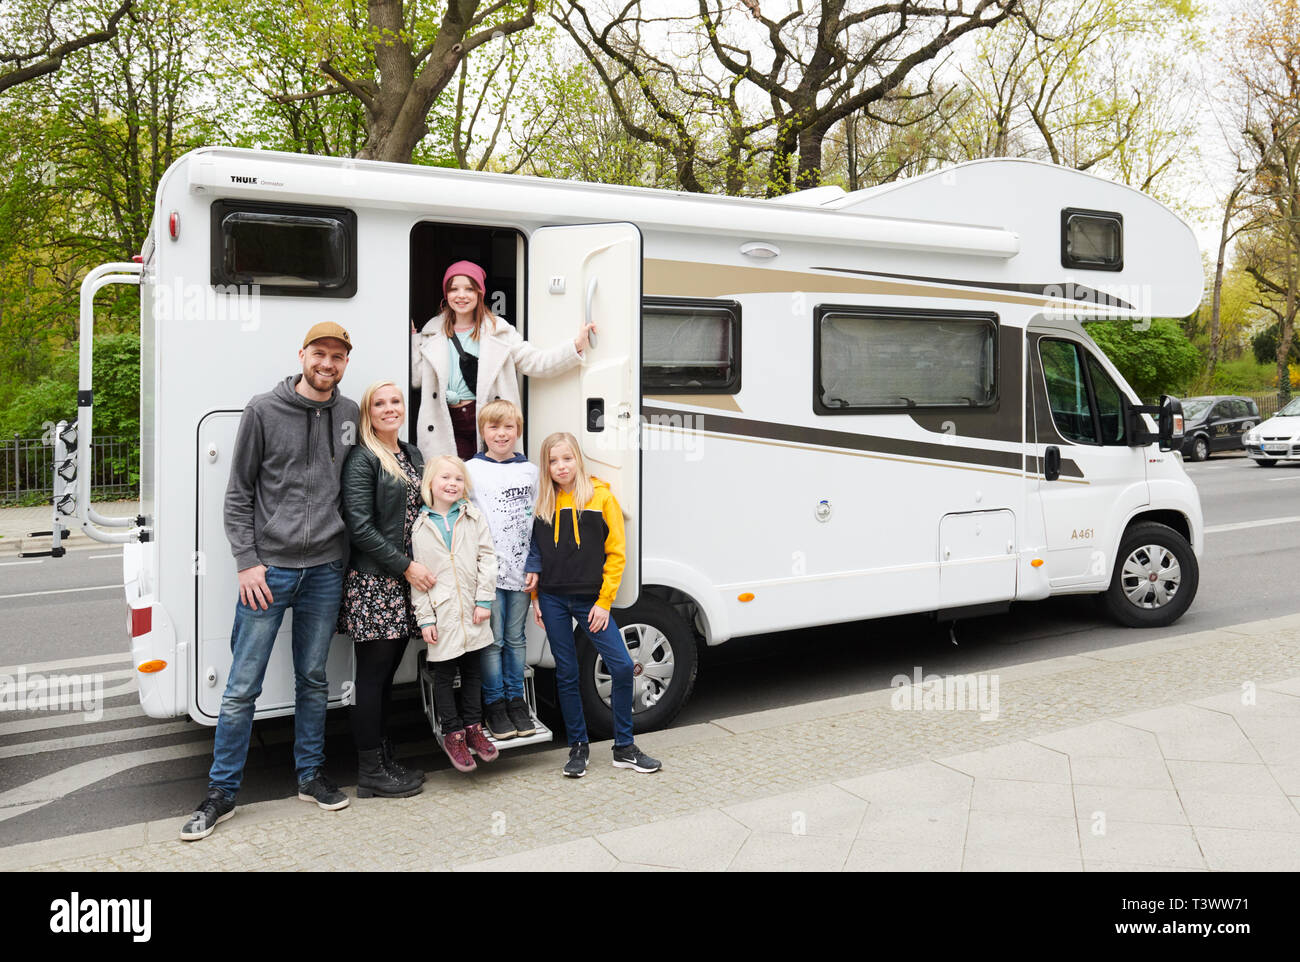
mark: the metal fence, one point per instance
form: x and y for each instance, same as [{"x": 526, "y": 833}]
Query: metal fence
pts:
[
  {"x": 27, "y": 469},
  {"x": 1267, "y": 403}
]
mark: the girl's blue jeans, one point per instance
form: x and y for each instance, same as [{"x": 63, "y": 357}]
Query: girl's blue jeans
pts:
[{"x": 558, "y": 614}]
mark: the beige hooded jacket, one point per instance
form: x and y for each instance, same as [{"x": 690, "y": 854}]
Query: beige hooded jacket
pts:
[{"x": 466, "y": 573}]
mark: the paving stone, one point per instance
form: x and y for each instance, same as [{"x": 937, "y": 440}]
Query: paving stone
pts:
[
  {"x": 1129, "y": 805},
  {"x": 767, "y": 852},
  {"x": 1267, "y": 813},
  {"x": 1229, "y": 778},
  {"x": 1013, "y": 797},
  {"x": 707, "y": 841},
  {"x": 822, "y": 811},
  {"x": 1170, "y": 845},
  {"x": 870, "y": 855}
]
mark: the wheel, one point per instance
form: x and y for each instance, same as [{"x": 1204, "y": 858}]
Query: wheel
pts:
[
  {"x": 1200, "y": 449},
  {"x": 1266, "y": 462},
  {"x": 1155, "y": 577},
  {"x": 665, "y": 662}
]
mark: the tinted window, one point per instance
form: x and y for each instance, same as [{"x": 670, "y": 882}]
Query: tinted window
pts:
[
  {"x": 1110, "y": 404},
  {"x": 1067, "y": 391},
  {"x": 878, "y": 360},
  {"x": 1092, "y": 239},
  {"x": 286, "y": 249},
  {"x": 690, "y": 346}
]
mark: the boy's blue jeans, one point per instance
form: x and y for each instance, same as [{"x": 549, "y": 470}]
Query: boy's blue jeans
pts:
[
  {"x": 558, "y": 615},
  {"x": 314, "y": 594},
  {"x": 503, "y": 660}
]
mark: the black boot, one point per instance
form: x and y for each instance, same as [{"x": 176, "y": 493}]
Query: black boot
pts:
[
  {"x": 399, "y": 772},
  {"x": 374, "y": 780}
]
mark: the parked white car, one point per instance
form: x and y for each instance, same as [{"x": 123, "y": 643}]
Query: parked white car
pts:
[{"x": 1277, "y": 439}]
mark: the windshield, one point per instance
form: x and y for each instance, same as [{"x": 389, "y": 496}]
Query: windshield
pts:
[
  {"x": 1194, "y": 407},
  {"x": 1292, "y": 410}
]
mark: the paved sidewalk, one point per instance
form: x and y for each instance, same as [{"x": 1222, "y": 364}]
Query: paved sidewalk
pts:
[
  {"x": 1176, "y": 754},
  {"x": 17, "y": 524}
]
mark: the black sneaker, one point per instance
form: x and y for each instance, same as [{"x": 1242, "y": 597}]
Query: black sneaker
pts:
[
  {"x": 576, "y": 766},
  {"x": 517, "y": 708},
  {"x": 213, "y": 810},
  {"x": 499, "y": 722},
  {"x": 323, "y": 792},
  {"x": 629, "y": 756}
]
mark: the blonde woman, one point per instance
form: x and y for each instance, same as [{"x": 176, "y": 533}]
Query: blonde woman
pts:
[
  {"x": 466, "y": 356},
  {"x": 381, "y": 500}
]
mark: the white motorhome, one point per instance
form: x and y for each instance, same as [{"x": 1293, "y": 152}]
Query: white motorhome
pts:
[{"x": 815, "y": 409}]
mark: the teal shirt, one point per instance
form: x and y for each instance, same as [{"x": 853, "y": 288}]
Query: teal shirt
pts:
[
  {"x": 445, "y": 524},
  {"x": 457, "y": 389}
]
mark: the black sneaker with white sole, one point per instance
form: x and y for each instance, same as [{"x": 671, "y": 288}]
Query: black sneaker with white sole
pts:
[
  {"x": 323, "y": 792},
  {"x": 213, "y": 810},
  {"x": 576, "y": 766},
  {"x": 629, "y": 756}
]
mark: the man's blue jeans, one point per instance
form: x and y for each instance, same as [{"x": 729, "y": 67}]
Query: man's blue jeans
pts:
[
  {"x": 503, "y": 660},
  {"x": 314, "y": 595},
  {"x": 558, "y": 614}
]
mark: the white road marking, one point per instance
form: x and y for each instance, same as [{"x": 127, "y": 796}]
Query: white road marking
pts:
[
  {"x": 1216, "y": 528},
  {"x": 10, "y": 564},
  {"x": 114, "y": 658},
  {"x": 101, "y": 738},
  {"x": 101, "y": 557},
  {"x": 60, "y": 591},
  {"x": 1293, "y": 477},
  {"x": 50, "y": 703},
  {"x": 51, "y": 788},
  {"x": 49, "y": 723}
]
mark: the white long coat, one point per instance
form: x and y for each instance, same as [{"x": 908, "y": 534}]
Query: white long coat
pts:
[
  {"x": 503, "y": 356},
  {"x": 466, "y": 573}
]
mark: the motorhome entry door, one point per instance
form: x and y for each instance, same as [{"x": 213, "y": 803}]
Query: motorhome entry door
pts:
[{"x": 579, "y": 273}]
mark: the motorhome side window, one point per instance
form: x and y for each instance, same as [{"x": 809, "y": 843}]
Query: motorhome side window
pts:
[
  {"x": 286, "y": 249},
  {"x": 1092, "y": 239},
  {"x": 690, "y": 346},
  {"x": 882, "y": 360},
  {"x": 1087, "y": 406}
]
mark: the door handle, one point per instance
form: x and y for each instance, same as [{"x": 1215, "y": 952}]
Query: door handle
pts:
[
  {"x": 595, "y": 414},
  {"x": 1052, "y": 463},
  {"x": 591, "y": 296}
]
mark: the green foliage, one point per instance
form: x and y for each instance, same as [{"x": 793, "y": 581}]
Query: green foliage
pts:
[
  {"x": 1244, "y": 375},
  {"x": 116, "y": 378},
  {"x": 1157, "y": 360},
  {"x": 1264, "y": 345}
]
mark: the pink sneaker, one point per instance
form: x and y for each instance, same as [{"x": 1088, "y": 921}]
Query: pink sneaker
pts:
[
  {"x": 479, "y": 744},
  {"x": 456, "y": 749}
]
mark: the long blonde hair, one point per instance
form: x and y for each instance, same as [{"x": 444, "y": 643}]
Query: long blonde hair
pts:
[
  {"x": 431, "y": 469},
  {"x": 371, "y": 440},
  {"x": 547, "y": 489}
]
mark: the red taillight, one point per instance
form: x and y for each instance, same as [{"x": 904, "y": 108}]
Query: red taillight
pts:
[
  {"x": 174, "y": 224},
  {"x": 137, "y": 258},
  {"x": 141, "y": 621}
]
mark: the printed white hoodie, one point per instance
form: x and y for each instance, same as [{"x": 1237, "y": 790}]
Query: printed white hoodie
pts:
[{"x": 505, "y": 491}]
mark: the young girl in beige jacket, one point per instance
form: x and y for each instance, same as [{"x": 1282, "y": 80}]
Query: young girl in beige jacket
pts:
[{"x": 452, "y": 539}]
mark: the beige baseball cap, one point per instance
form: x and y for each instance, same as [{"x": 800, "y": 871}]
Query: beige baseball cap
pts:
[{"x": 328, "y": 329}]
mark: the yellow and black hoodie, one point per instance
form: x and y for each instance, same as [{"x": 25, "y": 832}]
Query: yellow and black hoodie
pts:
[{"x": 582, "y": 553}]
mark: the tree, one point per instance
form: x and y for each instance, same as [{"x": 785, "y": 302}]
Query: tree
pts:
[
  {"x": 1267, "y": 62},
  {"x": 811, "y": 68},
  {"x": 1157, "y": 360},
  {"x": 39, "y": 34}
]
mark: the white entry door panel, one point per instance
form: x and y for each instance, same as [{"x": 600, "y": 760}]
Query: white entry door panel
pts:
[{"x": 592, "y": 272}]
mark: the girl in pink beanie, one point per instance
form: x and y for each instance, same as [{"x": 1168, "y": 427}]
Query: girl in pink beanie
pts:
[{"x": 466, "y": 356}]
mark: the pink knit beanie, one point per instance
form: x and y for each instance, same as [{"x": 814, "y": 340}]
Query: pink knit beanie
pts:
[{"x": 468, "y": 269}]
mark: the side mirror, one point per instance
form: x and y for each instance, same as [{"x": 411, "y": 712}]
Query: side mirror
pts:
[{"x": 1169, "y": 423}]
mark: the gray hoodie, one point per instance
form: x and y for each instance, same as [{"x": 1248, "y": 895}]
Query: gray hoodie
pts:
[{"x": 283, "y": 499}]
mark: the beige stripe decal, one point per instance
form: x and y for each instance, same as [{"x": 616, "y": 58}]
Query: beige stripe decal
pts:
[
  {"x": 693, "y": 279},
  {"x": 721, "y": 402},
  {"x": 856, "y": 454}
]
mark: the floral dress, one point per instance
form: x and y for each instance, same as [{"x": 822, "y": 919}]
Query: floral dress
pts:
[{"x": 378, "y": 606}]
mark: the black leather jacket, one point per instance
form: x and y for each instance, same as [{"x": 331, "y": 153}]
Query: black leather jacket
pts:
[{"x": 374, "y": 509}]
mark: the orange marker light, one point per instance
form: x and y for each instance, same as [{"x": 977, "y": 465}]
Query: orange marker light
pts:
[
  {"x": 1036, "y": 563},
  {"x": 149, "y": 667},
  {"x": 747, "y": 596}
]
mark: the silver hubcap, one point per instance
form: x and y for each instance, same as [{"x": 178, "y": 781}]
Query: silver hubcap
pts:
[
  {"x": 1151, "y": 576},
  {"x": 652, "y": 667}
]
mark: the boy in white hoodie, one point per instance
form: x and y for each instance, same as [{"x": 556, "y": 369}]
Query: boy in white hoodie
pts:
[{"x": 504, "y": 486}]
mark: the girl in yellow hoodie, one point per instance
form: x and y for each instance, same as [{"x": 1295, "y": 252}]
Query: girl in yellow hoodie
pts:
[{"x": 574, "y": 568}]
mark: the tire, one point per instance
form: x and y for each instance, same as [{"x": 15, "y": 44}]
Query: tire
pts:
[
  {"x": 1149, "y": 549},
  {"x": 1200, "y": 450},
  {"x": 663, "y": 649},
  {"x": 1266, "y": 462}
]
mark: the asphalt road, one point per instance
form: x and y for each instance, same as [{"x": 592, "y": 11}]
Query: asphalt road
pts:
[{"x": 60, "y": 775}]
